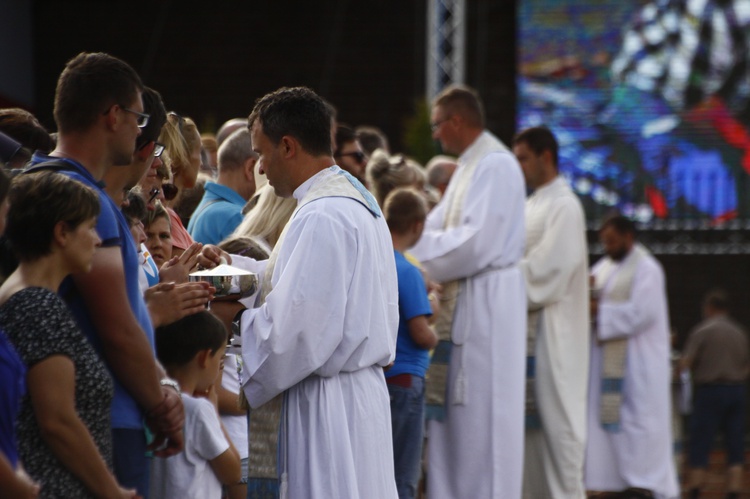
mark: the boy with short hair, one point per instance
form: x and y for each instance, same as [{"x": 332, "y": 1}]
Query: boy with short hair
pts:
[
  {"x": 405, "y": 212},
  {"x": 192, "y": 351}
]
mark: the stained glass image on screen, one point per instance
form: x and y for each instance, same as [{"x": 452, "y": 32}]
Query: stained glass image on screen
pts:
[{"x": 650, "y": 101}]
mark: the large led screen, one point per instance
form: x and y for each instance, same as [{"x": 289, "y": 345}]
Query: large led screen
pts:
[{"x": 650, "y": 101}]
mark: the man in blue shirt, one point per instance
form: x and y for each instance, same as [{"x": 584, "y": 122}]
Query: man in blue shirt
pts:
[
  {"x": 99, "y": 114},
  {"x": 220, "y": 210}
]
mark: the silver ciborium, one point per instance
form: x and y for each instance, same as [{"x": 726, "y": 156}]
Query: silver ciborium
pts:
[{"x": 231, "y": 283}]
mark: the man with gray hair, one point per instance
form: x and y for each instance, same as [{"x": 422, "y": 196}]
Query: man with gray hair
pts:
[
  {"x": 228, "y": 128},
  {"x": 439, "y": 172},
  {"x": 220, "y": 210}
]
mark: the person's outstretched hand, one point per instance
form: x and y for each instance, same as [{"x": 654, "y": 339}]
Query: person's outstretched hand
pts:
[{"x": 178, "y": 268}]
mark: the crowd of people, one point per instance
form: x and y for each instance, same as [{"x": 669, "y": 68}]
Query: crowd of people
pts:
[{"x": 417, "y": 329}]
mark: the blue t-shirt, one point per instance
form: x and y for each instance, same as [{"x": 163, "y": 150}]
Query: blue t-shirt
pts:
[
  {"x": 217, "y": 215},
  {"x": 412, "y": 302},
  {"x": 113, "y": 231},
  {"x": 13, "y": 376}
]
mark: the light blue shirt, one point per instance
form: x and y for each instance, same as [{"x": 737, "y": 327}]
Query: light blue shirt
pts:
[{"x": 217, "y": 215}]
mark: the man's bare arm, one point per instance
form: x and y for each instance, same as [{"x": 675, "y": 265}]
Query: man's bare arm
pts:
[{"x": 124, "y": 343}]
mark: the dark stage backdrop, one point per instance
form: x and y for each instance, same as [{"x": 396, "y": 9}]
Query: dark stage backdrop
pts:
[{"x": 211, "y": 60}]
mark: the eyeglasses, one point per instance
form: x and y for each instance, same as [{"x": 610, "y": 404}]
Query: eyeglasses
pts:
[
  {"x": 158, "y": 149},
  {"x": 436, "y": 125},
  {"x": 142, "y": 117},
  {"x": 358, "y": 156}
]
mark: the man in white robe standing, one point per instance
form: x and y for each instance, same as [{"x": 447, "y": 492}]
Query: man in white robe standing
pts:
[
  {"x": 629, "y": 445},
  {"x": 328, "y": 315},
  {"x": 472, "y": 243},
  {"x": 555, "y": 266}
]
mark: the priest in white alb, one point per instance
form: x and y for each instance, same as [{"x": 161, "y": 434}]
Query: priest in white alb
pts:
[
  {"x": 629, "y": 446},
  {"x": 472, "y": 243},
  {"x": 326, "y": 322},
  {"x": 555, "y": 265}
]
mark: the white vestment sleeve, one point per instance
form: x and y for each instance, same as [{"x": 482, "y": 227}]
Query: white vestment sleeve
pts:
[
  {"x": 461, "y": 251},
  {"x": 624, "y": 319},
  {"x": 301, "y": 323},
  {"x": 249, "y": 264},
  {"x": 550, "y": 264},
  {"x": 435, "y": 217}
]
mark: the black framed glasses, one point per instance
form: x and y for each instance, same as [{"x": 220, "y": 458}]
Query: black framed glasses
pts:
[
  {"x": 142, "y": 118},
  {"x": 358, "y": 156},
  {"x": 158, "y": 149}
]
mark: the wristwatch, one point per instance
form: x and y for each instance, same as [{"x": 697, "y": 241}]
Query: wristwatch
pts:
[
  {"x": 237, "y": 323},
  {"x": 170, "y": 382}
]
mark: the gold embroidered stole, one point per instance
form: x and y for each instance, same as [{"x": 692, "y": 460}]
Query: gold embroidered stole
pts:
[
  {"x": 436, "y": 379},
  {"x": 614, "y": 351}
]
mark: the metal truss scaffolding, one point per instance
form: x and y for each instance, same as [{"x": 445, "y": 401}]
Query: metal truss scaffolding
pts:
[{"x": 446, "y": 42}]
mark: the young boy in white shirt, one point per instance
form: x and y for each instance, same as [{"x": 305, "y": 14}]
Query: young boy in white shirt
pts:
[{"x": 192, "y": 351}]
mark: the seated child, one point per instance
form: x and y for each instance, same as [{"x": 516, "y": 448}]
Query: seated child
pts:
[
  {"x": 192, "y": 351},
  {"x": 405, "y": 212}
]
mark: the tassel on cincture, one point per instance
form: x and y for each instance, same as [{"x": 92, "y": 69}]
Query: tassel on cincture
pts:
[
  {"x": 459, "y": 388},
  {"x": 284, "y": 487}
]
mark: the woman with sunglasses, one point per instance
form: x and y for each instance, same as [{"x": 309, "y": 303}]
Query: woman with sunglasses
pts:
[
  {"x": 182, "y": 154},
  {"x": 348, "y": 153}
]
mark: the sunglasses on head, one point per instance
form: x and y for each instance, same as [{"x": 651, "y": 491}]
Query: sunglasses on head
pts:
[{"x": 180, "y": 120}]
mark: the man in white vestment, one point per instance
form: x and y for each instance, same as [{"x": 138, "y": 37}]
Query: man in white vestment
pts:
[
  {"x": 472, "y": 243},
  {"x": 328, "y": 315},
  {"x": 629, "y": 441},
  {"x": 555, "y": 266}
]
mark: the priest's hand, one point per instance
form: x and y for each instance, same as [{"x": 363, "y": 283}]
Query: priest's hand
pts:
[{"x": 211, "y": 256}]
